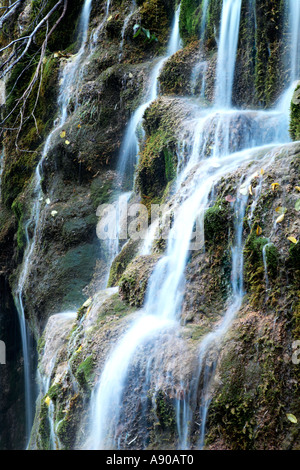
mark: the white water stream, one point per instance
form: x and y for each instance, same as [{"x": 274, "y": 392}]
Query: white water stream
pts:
[{"x": 134, "y": 132}]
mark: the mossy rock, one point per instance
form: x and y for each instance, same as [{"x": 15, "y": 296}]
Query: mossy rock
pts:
[
  {"x": 133, "y": 283},
  {"x": 295, "y": 115}
]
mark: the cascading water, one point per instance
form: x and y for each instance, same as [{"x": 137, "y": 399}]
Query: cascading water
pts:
[
  {"x": 228, "y": 41},
  {"x": 294, "y": 22},
  {"x": 66, "y": 90}
]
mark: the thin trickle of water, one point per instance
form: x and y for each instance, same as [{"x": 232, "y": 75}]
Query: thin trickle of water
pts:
[
  {"x": 228, "y": 41},
  {"x": 134, "y": 133},
  {"x": 126, "y": 21},
  {"x": 205, "y": 5},
  {"x": 31, "y": 226}
]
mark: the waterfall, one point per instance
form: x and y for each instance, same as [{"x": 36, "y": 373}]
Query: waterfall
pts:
[
  {"x": 126, "y": 21},
  {"x": 294, "y": 23},
  {"x": 69, "y": 76},
  {"x": 228, "y": 41},
  {"x": 130, "y": 144},
  {"x": 216, "y": 151}
]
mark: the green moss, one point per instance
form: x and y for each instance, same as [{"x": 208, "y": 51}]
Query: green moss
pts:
[
  {"x": 114, "y": 306},
  {"x": 157, "y": 165},
  {"x": 121, "y": 262},
  {"x": 101, "y": 191},
  {"x": 295, "y": 115},
  {"x": 190, "y": 18},
  {"x": 175, "y": 77},
  {"x": 54, "y": 391},
  {"x": 247, "y": 410}
]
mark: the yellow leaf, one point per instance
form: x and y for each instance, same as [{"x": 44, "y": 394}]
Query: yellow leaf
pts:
[
  {"x": 279, "y": 219},
  {"x": 47, "y": 400},
  {"x": 293, "y": 240},
  {"x": 250, "y": 190},
  {"x": 63, "y": 134},
  {"x": 297, "y": 188},
  {"x": 67, "y": 142},
  {"x": 292, "y": 418},
  {"x": 258, "y": 230},
  {"x": 79, "y": 349},
  {"x": 274, "y": 186},
  {"x": 262, "y": 171},
  {"x": 79, "y": 126}
]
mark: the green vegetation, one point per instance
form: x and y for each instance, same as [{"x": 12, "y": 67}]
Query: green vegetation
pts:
[{"x": 295, "y": 115}]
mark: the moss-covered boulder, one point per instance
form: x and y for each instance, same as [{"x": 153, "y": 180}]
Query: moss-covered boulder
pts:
[
  {"x": 134, "y": 281},
  {"x": 295, "y": 114}
]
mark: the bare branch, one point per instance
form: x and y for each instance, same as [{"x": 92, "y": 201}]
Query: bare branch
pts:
[{"x": 10, "y": 12}]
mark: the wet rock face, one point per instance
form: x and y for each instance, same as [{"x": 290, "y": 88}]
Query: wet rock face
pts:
[
  {"x": 11, "y": 375},
  {"x": 295, "y": 114}
]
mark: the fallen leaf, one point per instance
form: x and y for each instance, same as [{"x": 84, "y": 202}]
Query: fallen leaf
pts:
[
  {"x": 229, "y": 198},
  {"x": 63, "y": 134},
  {"x": 258, "y": 230},
  {"x": 47, "y": 400},
  {"x": 48, "y": 201},
  {"x": 274, "y": 186},
  {"x": 262, "y": 171},
  {"x": 292, "y": 418},
  {"x": 79, "y": 349},
  {"x": 293, "y": 240},
  {"x": 297, "y": 188},
  {"x": 67, "y": 142},
  {"x": 79, "y": 126},
  {"x": 53, "y": 213},
  {"x": 279, "y": 219},
  {"x": 250, "y": 190}
]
